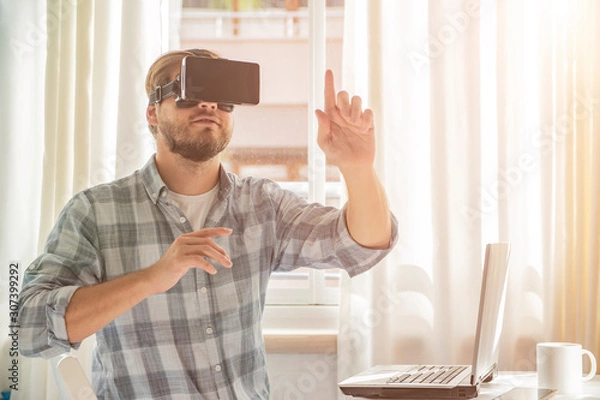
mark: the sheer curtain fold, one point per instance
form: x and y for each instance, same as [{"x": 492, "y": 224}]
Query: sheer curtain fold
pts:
[
  {"x": 22, "y": 63},
  {"x": 576, "y": 185},
  {"x": 455, "y": 131},
  {"x": 75, "y": 118},
  {"x": 488, "y": 112},
  {"x": 67, "y": 106}
]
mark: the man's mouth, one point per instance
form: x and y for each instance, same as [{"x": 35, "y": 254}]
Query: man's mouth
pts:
[{"x": 205, "y": 120}]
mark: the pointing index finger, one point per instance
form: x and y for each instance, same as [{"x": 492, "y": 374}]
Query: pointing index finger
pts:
[{"x": 330, "y": 100}]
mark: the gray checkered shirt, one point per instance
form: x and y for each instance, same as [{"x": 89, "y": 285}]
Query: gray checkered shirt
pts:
[{"x": 202, "y": 339}]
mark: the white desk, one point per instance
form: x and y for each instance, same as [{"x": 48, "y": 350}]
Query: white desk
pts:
[{"x": 508, "y": 380}]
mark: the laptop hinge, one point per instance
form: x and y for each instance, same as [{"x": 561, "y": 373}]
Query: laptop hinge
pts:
[{"x": 487, "y": 376}]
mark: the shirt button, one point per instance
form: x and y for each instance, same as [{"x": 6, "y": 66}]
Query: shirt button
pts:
[
  {"x": 217, "y": 368},
  {"x": 182, "y": 220},
  {"x": 209, "y": 331},
  {"x": 203, "y": 290}
]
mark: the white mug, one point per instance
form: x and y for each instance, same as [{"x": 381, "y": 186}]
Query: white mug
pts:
[{"x": 559, "y": 366}]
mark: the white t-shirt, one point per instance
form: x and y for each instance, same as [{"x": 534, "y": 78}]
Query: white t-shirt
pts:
[{"x": 195, "y": 208}]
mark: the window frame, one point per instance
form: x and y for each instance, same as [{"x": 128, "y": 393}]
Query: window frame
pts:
[{"x": 316, "y": 188}]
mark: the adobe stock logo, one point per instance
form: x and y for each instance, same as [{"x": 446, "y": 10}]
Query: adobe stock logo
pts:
[{"x": 542, "y": 141}]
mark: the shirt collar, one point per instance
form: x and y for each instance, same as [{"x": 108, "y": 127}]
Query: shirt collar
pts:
[
  {"x": 152, "y": 181},
  {"x": 155, "y": 187}
]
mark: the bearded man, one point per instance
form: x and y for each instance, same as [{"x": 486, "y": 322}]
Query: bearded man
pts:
[{"x": 169, "y": 266}]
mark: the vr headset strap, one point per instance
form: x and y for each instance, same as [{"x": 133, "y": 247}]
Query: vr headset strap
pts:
[{"x": 162, "y": 92}]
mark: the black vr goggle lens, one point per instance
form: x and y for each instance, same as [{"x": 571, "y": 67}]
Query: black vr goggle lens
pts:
[{"x": 212, "y": 80}]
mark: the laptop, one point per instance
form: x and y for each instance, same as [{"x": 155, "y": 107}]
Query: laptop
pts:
[{"x": 448, "y": 381}]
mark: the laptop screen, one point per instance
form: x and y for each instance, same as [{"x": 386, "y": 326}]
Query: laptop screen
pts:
[{"x": 491, "y": 311}]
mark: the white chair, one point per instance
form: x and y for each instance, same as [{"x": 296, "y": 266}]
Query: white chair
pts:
[{"x": 70, "y": 377}]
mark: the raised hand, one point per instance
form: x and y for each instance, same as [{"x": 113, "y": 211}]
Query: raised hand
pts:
[{"x": 346, "y": 133}]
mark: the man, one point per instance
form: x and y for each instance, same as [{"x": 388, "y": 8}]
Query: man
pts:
[{"x": 169, "y": 266}]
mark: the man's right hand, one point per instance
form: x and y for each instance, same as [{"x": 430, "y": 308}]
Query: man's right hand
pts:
[
  {"x": 190, "y": 250},
  {"x": 92, "y": 307}
]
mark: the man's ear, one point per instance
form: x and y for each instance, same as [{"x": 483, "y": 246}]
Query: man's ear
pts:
[{"x": 151, "y": 115}]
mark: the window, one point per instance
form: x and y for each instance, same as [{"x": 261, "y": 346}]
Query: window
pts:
[{"x": 273, "y": 139}]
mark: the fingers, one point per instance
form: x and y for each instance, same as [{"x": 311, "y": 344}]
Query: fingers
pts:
[
  {"x": 202, "y": 236},
  {"x": 198, "y": 246},
  {"x": 189, "y": 250},
  {"x": 340, "y": 104},
  {"x": 199, "y": 259},
  {"x": 367, "y": 122},
  {"x": 201, "y": 263},
  {"x": 355, "y": 109},
  {"x": 205, "y": 247},
  {"x": 329, "y": 105},
  {"x": 321, "y": 117},
  {"x": 209, "y": 232}
]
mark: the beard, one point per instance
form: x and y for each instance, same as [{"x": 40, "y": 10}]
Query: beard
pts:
[{"x": 193, "y": 145}]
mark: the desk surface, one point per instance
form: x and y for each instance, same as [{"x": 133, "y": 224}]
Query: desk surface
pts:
[{"x": 507, "y": 380}]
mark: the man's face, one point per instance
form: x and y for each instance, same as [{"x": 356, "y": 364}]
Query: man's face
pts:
[{"x": 197, "y": 133}]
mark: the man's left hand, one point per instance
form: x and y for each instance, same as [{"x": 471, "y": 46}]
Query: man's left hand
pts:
[{"x": 346, "y": 132}]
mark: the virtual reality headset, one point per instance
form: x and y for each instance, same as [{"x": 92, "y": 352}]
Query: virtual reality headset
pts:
[{"x": 212, "y": 80}]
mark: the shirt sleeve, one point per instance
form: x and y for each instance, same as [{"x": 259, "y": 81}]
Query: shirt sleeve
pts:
[
  {"x": 316, "y": 236},
  {"x": 70, "y": 260}
]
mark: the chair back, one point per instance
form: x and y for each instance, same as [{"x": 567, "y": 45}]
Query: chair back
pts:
[{"x": 70, "y": 377}]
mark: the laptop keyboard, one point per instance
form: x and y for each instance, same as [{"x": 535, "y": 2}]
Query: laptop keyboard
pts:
[{"x": 428, "y": 374}]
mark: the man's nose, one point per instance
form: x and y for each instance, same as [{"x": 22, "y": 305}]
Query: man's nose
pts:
[{"x": 206, "y": 104}]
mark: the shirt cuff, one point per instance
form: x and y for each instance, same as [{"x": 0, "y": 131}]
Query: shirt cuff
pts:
[
  {"x": 357, "y": 257},
  {"x": 55, "y": 317}
]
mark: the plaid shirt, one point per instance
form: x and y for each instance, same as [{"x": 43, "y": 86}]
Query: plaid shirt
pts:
[{"x": 201, "y": 339}]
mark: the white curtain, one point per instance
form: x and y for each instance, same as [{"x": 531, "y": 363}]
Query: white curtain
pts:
[
  {"x": 72, "y": 115},
  {"x": 486, "y": 113}
]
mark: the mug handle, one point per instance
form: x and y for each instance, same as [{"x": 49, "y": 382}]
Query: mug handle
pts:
[{"x": 592, "y": 372}]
